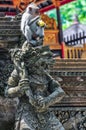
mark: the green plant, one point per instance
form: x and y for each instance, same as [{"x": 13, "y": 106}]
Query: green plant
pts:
[{"x": 69, "y": 10}]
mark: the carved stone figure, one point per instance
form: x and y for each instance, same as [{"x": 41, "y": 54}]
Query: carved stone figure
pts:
[
  {"x": 32, "y": 26},
  {"x": 35, "y": 89}
]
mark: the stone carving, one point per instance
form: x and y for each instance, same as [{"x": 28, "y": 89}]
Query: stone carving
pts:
[
  {"x": 73, "y": 120},
  {"x": 35, "y": 89}
]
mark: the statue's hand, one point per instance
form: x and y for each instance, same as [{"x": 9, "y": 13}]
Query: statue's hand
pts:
[
  {"x": 41, "y": 104},
  {"x": 32, "y": 101},
  {"x": 14, "y": 92}
]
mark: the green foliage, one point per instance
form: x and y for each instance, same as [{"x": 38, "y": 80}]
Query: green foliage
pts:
[{"x": 69, "y": 10}]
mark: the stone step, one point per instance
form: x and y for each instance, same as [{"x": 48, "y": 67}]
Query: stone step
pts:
[
  {"x": 68, "y": 73},
  {"x": 9, "y": 40},
  {"x": 10, "y": 23},
  {"x": 77, "y": 88},
  {"x": 9, "y": 37},
  {"x": 2, "y": 36},
  {"x": 5, "y": 18},
  {"x": 72, "y": 83},
  {"x": 65, "y": 65},
  {"x": 9, "y": 44},
  {"x": 3, "y": 51},
  {"x": 9, "y": 27},
  {"x": 8, "y": 32},
  {"x": 72, "y": 101},
  {"x": 70, "y": 60},
  {"x": 69, "y": 66}
]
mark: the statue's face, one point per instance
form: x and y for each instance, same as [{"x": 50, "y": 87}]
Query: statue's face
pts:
[{"x": 17, "y": 55}]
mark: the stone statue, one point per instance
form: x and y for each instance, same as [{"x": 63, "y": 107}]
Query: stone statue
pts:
[
  {"x": 35, "y": 89},
  {"x": 32, "y": 26}
]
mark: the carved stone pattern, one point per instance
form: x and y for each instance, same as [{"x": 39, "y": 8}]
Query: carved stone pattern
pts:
[{"x": 72, "y": 120}]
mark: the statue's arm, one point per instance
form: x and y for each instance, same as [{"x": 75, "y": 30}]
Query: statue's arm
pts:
[
  {"x": 55, "y": 90},
  {"x": 13, "y": 89},
  {"x": 56, "y": 93}
]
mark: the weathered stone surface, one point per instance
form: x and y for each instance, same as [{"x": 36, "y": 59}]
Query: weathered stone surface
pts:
[
  {"x": 35, "y": 89},
  {"x": 68, "y": 116},
  {"x": 7, "y": 113},
  {"x": 5, "y": 69}
]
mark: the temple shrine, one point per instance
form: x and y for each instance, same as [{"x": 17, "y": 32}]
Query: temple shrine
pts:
[{"x": 69, "y": 69}]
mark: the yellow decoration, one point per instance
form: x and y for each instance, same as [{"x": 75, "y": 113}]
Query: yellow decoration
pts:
[{"x": 41, "y": 23}]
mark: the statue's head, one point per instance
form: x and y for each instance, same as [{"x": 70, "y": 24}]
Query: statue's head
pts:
[{"x": 16, "y": 54}]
